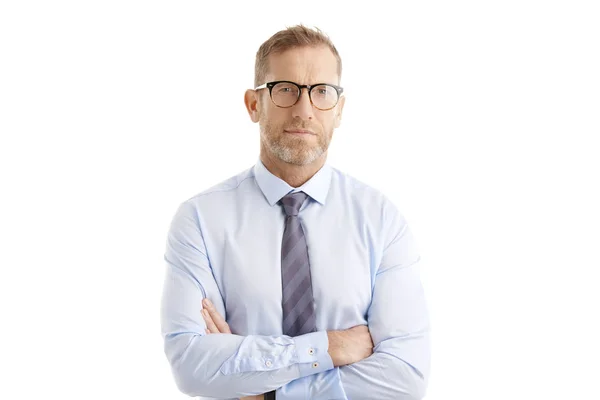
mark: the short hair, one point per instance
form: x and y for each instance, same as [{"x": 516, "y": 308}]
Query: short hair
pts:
[{"x": 290, "y": 38}]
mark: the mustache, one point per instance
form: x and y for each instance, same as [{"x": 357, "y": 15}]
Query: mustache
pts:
[{"x": 301, "y": 124}]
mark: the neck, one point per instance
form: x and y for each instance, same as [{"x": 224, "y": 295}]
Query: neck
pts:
[{"x": 294, "y": 175}]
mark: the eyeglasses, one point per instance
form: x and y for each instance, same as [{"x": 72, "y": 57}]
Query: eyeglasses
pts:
[{"x": 285, "y": 94}]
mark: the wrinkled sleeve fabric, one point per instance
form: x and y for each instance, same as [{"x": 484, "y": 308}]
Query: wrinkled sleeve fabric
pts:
[{"x": 221, "y": 365}]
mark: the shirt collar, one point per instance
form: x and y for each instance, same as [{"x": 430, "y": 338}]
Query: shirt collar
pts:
[{"x": 275, "y": 188}]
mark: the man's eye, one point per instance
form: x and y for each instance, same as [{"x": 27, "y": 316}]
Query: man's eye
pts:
[{"x": 323, "y": 92}]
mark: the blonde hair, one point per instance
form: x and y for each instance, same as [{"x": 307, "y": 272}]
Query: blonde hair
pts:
[{"x": 289, "y": 38}]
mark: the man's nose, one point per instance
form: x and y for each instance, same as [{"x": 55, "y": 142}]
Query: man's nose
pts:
[{"x": 303, "y": 108}]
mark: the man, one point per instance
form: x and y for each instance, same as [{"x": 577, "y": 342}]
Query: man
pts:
[{"x": 293, "y": 280}]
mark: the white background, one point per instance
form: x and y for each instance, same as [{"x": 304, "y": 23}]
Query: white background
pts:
[{"x": 480, "y": 120}]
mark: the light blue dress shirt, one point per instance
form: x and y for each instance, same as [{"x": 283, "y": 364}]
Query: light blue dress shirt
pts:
[{"x": 225, "y": 244}]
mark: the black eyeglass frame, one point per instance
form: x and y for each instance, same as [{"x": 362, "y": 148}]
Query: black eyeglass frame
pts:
[{"x": 271, "y": 85}]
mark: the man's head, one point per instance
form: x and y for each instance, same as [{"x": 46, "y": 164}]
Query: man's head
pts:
[{"x": 296, "y": 132}]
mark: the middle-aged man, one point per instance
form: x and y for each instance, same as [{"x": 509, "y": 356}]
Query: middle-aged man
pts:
[{"x": 293, "y": 280}]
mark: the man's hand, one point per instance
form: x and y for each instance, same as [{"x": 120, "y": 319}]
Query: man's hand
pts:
[
  {"x": 215, "y": 323},
  {"x": 350, "y": 345}
]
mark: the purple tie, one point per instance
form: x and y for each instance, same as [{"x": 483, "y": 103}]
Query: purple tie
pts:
[{"x": 298, "y": 306}]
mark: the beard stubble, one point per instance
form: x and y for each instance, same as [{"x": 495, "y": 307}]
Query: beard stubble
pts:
[{"x": 292, "y": 149}]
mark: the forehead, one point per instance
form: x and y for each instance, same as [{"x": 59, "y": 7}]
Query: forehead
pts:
[{"x": 304, "y": 65}]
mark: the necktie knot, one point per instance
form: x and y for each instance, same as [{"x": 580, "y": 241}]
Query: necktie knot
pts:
[{"x": 292, "y": 203}]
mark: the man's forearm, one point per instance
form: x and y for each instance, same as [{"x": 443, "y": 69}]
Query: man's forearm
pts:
[
  {"x": 231, "y": 366},
  {"x": 382, "y": 376}
]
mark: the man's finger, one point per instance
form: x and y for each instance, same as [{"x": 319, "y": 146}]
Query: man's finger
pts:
[
  {"x": 219, "y": 321},
  {"x": 210, "y": 325}
]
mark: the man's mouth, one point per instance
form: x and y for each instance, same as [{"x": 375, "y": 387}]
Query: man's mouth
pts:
[{"x": 299, "y": 131}]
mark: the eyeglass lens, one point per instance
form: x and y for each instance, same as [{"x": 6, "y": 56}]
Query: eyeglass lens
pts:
[{"x": 285, "y": 94}]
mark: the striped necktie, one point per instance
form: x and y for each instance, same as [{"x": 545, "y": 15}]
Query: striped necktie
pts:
[{"x": 298, "y": 305}]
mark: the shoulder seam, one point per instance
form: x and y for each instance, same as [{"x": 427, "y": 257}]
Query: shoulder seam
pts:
[{"x": 221, "y": 190}]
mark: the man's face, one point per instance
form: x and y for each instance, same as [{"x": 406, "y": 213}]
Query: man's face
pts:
[{"x": 300, "y": 134}]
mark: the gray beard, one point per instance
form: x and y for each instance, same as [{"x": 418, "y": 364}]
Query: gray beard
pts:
[
  {"x": 291, "y": 155},
  {"x": 292, "y": 150}
]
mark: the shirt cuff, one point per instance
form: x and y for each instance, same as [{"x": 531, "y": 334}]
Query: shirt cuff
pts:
[{"x": 312, "y": 353}]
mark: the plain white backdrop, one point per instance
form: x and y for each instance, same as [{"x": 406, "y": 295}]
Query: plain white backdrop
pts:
[{"x": 480, "y": 120}]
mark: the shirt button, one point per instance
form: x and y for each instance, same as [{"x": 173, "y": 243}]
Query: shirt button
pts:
[
  {"x": 268, "y": 363},
  {"x": 311, "y": 351},
  {"x": 315, "y": 365}
]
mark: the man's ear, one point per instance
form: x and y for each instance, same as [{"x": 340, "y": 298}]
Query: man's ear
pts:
[
  {"x": 339, "y": 109},
  {"x": 252, "y": 104}
]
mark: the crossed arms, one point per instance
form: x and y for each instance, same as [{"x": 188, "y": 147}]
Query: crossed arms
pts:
[
  {"x": 345, "y": 346},
  {"x": 225, "y": 365}
]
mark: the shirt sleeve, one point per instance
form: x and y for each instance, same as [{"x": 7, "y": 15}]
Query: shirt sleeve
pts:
[
  {"x": 222, "y": 365},
  {"x": 399, "y": 325}
]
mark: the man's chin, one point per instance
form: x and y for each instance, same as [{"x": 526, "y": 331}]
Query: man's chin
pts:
[
  {"x": 298, "y": 162},
  {"x": 299, "y": 159}
]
